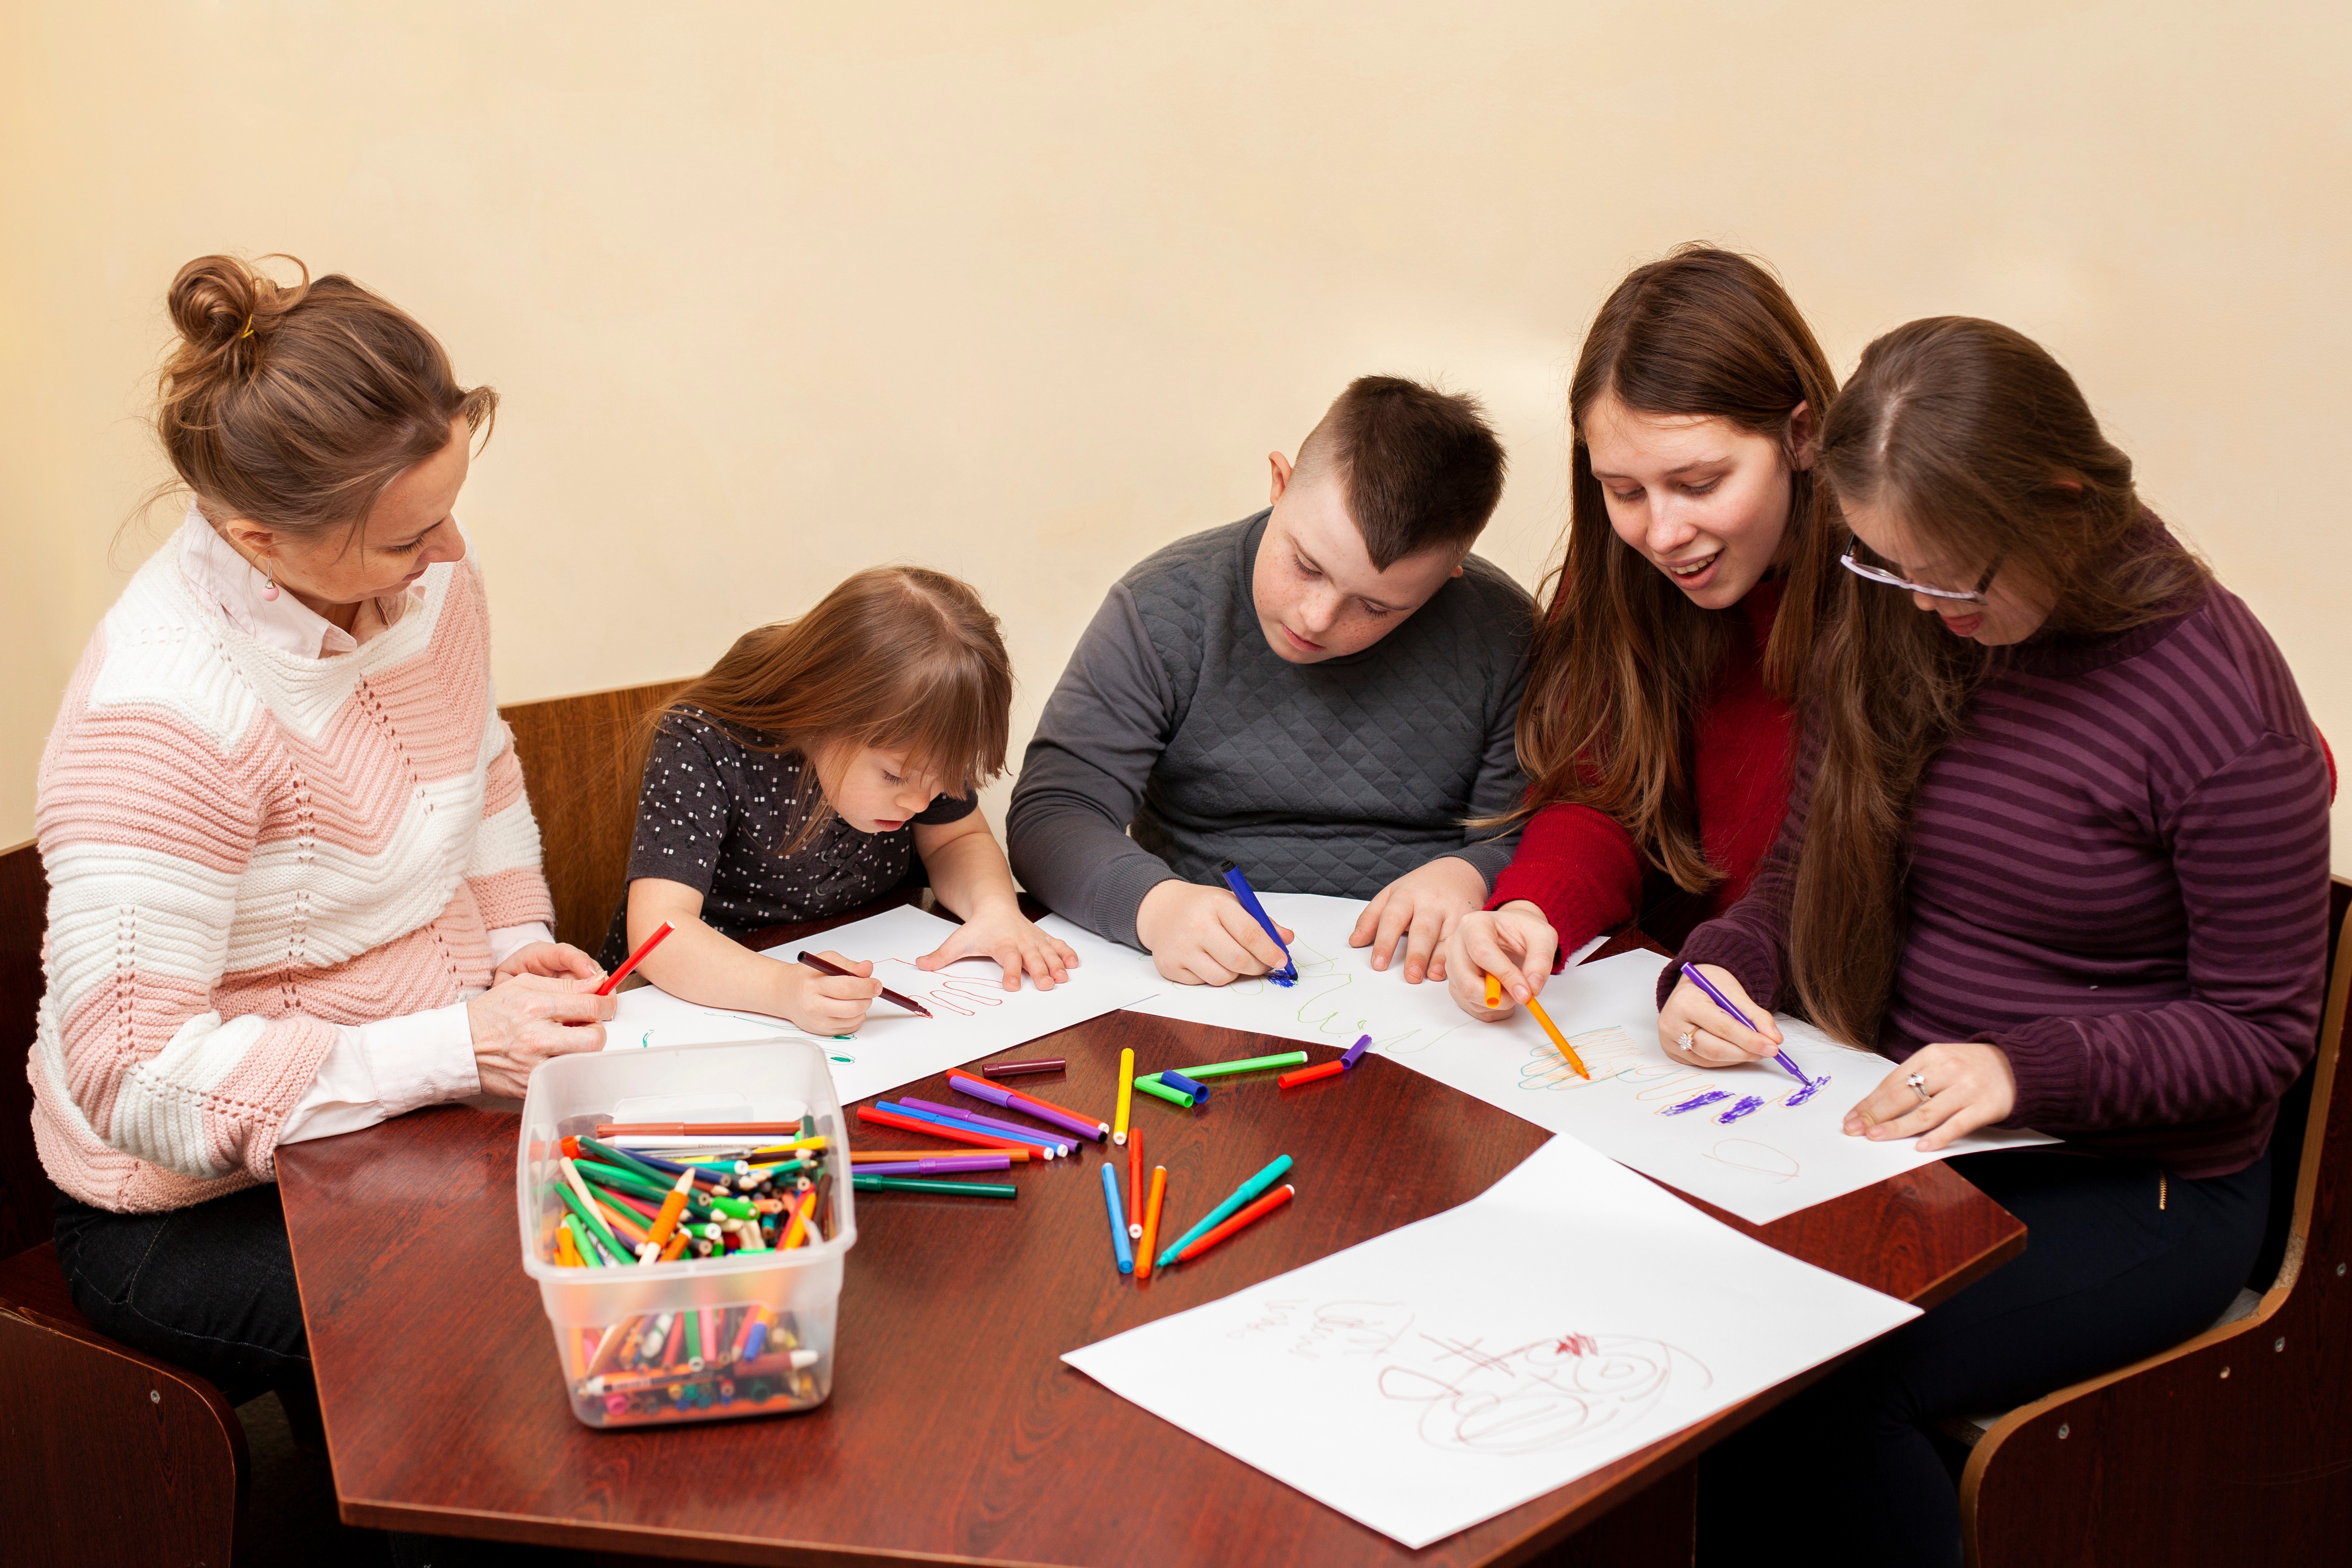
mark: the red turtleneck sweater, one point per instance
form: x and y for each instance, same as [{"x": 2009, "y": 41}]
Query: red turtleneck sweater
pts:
[{"x": 1583, "y": 869}]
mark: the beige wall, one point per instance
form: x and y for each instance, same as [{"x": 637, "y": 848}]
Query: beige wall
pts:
[{"x": 1023, "y": 290}]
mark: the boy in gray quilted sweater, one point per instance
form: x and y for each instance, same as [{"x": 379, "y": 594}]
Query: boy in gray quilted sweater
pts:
[{"x": 1321, "y": 694}]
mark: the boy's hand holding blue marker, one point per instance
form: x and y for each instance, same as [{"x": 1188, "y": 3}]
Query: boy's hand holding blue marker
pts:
[{"x": 1204, "y": 936}]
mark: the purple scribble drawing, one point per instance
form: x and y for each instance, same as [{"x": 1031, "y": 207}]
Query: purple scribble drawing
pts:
[
  {"x": 1812, "y": 1088},
  {"x": 1748, "y": 1104},
  {"x": 1695, "y": 1100},
  {"x": 1553, "y": 1392}
]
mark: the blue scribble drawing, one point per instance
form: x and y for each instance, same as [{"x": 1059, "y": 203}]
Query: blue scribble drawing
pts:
[
  {"x": 1695, "y": 1100},
  {"x": 1748, "y": 1104}
]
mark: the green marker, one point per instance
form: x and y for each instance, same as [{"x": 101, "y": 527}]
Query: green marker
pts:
[
  {"x": 595, "y": 1227},
  {"x": 590, "y": 1253},
  {"x": 924, "y": 1184},
  {"x": 1152, "y": 1085},
  {"x": 1254, "y": 1063}
]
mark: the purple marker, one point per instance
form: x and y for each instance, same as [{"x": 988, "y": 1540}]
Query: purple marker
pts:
[
  {"x": 940, "y": 1165},
  {"x": 994, "y": 1134},
  {"x": 981, "y": 1089},
  {"x": 1029, "y": 1134},
  {"x": 1702, "y": 982},
  {"x": 1363, "y": 1043}
]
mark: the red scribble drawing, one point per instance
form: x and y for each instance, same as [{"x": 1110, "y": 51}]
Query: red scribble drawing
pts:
[{"x": 1554, "y": 1393}]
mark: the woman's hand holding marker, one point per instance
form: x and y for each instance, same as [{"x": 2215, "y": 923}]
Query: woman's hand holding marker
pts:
[
  {"x": 1961, "y": 1087},
  {"x": 1697, "y": 1033},
  {"x": 1515, "y": 944},
  {"x": 525, "y": 1019}
]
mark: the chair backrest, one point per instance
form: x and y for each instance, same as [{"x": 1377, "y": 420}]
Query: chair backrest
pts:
[
  {"x": 579, "y": 758},
  {"x": 24, "y": 1191}
]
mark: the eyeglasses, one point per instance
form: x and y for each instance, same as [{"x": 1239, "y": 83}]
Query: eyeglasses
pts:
[{"x": 1880, "y": 575}]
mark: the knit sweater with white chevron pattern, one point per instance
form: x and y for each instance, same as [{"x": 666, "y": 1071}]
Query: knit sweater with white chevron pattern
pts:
[{"x": 245, "y": 848}]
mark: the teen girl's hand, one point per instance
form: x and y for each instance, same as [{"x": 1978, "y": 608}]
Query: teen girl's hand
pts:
[
  {"x": 1421, "y": 907},
  {"x": 828, "y": 1004},
  {"x": 1006, "y": 938},
  {"x": 1967, "y": 1086},
  {"x": 1698, "y": 1034},
  {"x": 555, "y": 960},
  {"x": 525, "y": 1019},
  {"x": 1202, "y": 936},
  {"x": 1515, "y": 944}
]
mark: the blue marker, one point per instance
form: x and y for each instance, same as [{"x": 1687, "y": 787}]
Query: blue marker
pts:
[
  {"x": 1288, "y": 974},
  {"x": 1183, "y": 1084},
  {"x": 1120, "y": 1248},
  {"x": 1783, "y": 1057}
]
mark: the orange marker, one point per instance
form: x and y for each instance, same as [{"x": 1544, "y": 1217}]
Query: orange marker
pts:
[
  {"x": 1151, "y": 1222},
  {"x": 657, "y": 1234},
  {"x": 1250, "y": 1215},
  {"x": 1567, "y": 1051},
  {"x": 1494, "y": 992}
]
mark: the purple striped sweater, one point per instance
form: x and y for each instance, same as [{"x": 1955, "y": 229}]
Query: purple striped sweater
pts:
[{"x": 2119, "y": 876}]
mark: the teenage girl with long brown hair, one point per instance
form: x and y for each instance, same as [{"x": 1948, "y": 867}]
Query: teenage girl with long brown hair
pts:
[
  {"x": 2059, "y": 846},
  {"x": 800, "y": 777},
  {"x": 1656, "y": 723}
]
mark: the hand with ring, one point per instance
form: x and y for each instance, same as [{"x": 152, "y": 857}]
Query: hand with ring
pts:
[
  {"x": 1943, "y": 1092},
  {"x": 1698, "y": 1034}
]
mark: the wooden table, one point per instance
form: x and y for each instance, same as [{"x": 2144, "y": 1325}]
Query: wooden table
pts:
[{"x": 954, "y": 1433}]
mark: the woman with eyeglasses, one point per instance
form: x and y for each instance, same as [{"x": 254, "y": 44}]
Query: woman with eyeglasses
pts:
[
  {"x": 1656, "y": 722},
  {"x": 2059, "y": 848}
]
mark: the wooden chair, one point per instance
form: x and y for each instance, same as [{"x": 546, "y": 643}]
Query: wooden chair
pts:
[
  {"x": 114, "y": 1457},
  {"x": 2235, "y": 1446},
  {"x": 579, "y": 758}
]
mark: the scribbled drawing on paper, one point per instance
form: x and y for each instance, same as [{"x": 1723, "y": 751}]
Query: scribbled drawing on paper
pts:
[
  {"x": 1756, "y": 1159},
  {"x": 1812, "y": 1087},
  {"x": 1552, "y": 1393},
  {"x": 1748, "y": 1105},
  {"x": 1707, "y": 1098},
  {"x": 1334, "y": 1330},
  {"x": 1607, "y": 1052}
]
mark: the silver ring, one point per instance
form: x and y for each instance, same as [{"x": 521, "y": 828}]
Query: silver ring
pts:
[
  {"x": 1918, "y": 1087},
  {"x": 1684, "y": 1039}
]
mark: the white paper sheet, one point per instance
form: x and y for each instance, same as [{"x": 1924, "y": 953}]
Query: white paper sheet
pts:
[
  {"x": 1434, "y": 1376},
  {"x": 973, "y": 1014},
  {"x": 1769, "y": 1160}
]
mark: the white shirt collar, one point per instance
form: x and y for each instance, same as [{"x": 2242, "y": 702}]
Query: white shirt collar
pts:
[{"x": 222, "y": 576}]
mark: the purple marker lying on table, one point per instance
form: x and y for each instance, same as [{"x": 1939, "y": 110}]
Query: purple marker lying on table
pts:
[
  {"x": 1029, "y": 1134},
  {"x": 1363, "y": 1043},
  {"x": 1783, "y": 1057},
  {"x": 939, "y": 1165},
  {"x": 980, "y": 1089}
]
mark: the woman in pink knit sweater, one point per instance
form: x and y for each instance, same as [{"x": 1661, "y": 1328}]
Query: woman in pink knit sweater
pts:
[{"x": 294, "y": 883}]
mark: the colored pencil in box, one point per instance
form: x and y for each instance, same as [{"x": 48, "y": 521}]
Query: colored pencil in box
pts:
[
  {"x": 652, "y": 942},
  {"x": 1151, "y": 1221},
  {"x": 825, "y": 966},
  {"x": 1004, "y": 1132},
  {"x": 1247, "y": 1218},
  {"x": 1123, "y": 1255}
]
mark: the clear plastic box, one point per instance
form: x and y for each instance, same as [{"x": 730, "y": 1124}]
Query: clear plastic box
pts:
[{"x": 622, "y": 1333}]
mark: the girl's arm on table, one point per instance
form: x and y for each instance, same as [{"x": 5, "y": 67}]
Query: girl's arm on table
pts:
[{"x": 698, "y": 964}]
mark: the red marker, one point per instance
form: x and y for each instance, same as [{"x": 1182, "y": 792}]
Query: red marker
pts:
[
  {"x": 1332, "y": 1069},
  {"x": 635, "y": 958},
  {"x": 1250, "y": 1215}
]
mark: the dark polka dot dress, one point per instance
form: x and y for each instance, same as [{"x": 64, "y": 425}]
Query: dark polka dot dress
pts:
[{"x": 712, "y": 813}]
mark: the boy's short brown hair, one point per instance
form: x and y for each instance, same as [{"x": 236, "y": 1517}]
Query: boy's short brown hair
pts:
[{"x": 1420, "y": 470}]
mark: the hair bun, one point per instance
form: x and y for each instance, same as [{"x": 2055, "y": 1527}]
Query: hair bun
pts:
[{"x": 224, "y": 307}]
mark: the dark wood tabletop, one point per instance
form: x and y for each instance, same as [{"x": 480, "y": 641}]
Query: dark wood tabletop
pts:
[{"x": 954, "y": 1431}]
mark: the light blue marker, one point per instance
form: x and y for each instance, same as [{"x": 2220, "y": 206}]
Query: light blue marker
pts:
[
  {"x": 1119, "y": 1249},
  {"x": 1243, "y": 1196}
]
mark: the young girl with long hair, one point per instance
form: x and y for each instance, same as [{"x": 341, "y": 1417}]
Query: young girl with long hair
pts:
[
  {"x": 2059, "y": 848},
  {"x": 1657, "y": 724},
  {"x": 798, "y": 779}
]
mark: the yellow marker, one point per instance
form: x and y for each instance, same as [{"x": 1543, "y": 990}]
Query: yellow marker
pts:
[
  {"x": 1126, "y": 1095},
  {"x": 1567, "y": 1051},
  {"x": 1494, "y": 992}
]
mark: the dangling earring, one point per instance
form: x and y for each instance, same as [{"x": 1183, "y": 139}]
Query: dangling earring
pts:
[{"x": 269, "y": 584}]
